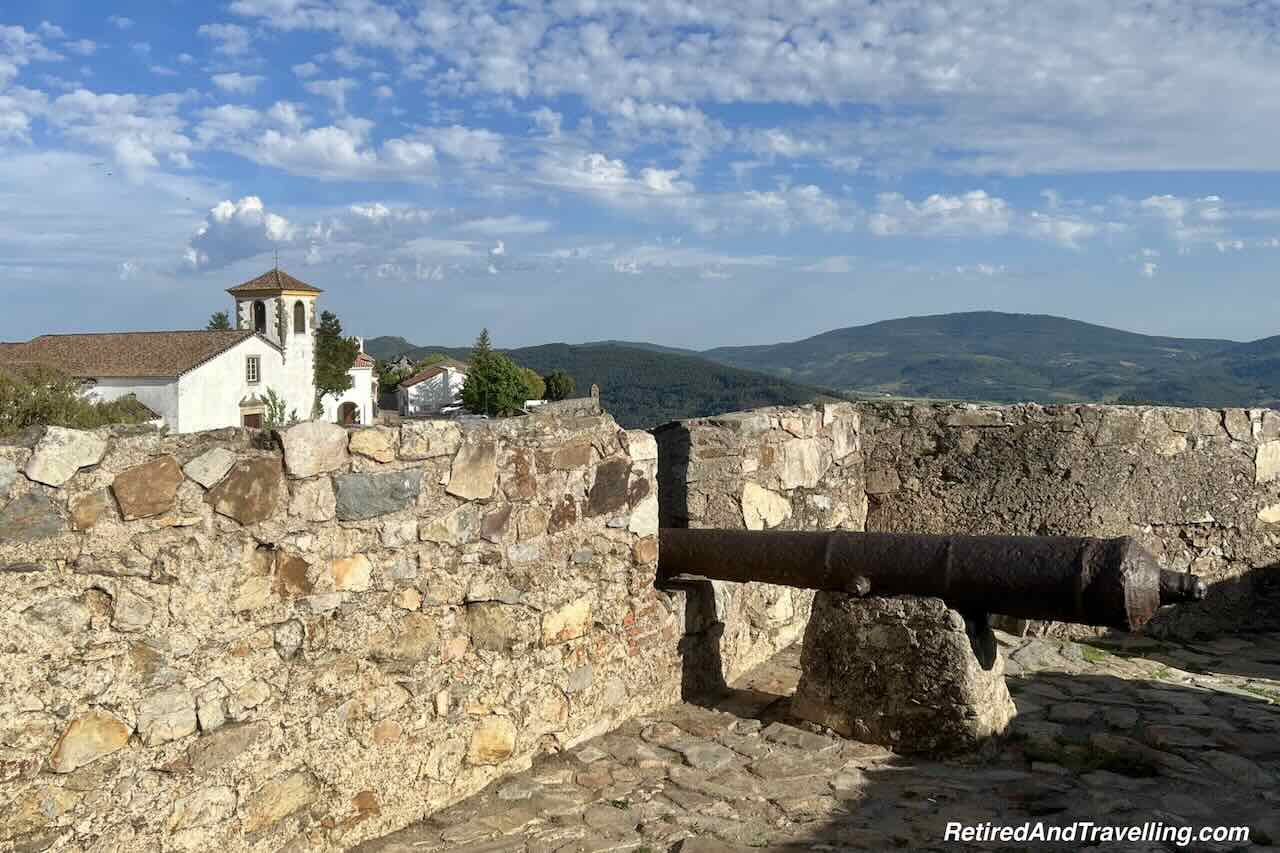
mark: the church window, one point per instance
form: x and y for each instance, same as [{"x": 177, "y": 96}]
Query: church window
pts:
[
  {"x": 299, "y": 318},
  {"x": 252, "y": 369},
  {"x": 260, "y": 317}
]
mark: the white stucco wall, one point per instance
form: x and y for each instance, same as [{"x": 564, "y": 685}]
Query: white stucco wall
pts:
[
  {"x": 160, "y": 395},
  {"x": 360, "y": 393},
  {"x": 431, "y": 395},
  {"x": 209, "y": 396}
]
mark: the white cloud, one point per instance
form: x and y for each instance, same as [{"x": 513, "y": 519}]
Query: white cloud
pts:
[
  {"x": 463, "y": 143},
  {"x": 335, "y": 90},
  {"x": 237, "y": 83},
  {"x": 51, "y": 31},
  {"x": 986, "y": 270},
  {"x": 834, "y": 264},
  {"x": 120, "y": 23},
  {"x": 81, "y": 47},
  {"x": 1148, "y": 269},
  {"x": 498, "y": 250},
  {"x": 1066, "y": 232},
  {"x": 137, "y": 129},
  {"x": 306, "y": 69},
  {"x": 975, "y": 212},
  {"x": 382, "y": 93},
  {"x": 229, "y": 39},
  {"x": 234, "y": 231},
  {"x": 1224, "y": 246}
]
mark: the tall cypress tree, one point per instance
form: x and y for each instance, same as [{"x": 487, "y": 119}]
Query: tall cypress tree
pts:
[{"x": 334, "y": 357}]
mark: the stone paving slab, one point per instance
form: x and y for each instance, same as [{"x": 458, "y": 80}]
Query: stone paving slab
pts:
[{"x": 1120, "y": 731}]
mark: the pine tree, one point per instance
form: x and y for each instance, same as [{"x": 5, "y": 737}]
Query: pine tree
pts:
[
  {"x": 218, "y": 321},
  {"x": 334, "y": 357},
  {"x": 559, "y": 385}
]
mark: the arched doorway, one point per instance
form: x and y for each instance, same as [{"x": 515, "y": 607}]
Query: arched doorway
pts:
[
  {"x": 348, "y": 414},
  {"x": 260, "y": 317}
]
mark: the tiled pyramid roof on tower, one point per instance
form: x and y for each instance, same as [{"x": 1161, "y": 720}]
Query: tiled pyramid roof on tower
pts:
[{"x": 271, "y": 282}]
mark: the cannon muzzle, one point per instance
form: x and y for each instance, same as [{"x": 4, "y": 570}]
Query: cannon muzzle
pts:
[{"x": 1106, "y": 582}]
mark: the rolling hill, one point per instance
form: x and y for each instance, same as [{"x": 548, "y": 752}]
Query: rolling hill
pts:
[
  {"x": 983, "y": 356},
  {"x": 641, "y": 387}
]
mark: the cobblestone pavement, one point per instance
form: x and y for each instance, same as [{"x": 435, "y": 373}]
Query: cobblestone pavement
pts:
[{"x": 1121, "y": 731}]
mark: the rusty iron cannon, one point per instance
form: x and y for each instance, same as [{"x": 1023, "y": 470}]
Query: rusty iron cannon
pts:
[{"x": 1106, "y": 582}]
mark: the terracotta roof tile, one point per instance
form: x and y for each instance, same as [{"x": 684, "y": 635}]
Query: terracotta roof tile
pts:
[
  {"x": 124, "y": 353},
  {"x": 271, "y": 281},
  {"x": 433, "y": 370},
  {"x": 363, "y": 360}
]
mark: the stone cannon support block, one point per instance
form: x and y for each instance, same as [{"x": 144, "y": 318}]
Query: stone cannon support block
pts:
[{"x": 901, "y": 672}]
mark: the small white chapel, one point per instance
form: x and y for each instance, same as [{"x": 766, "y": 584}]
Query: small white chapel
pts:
[{"x": 199, "y": 380}]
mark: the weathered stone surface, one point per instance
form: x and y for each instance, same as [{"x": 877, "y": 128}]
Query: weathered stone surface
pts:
[
  {"x": 609, "y": 488},
  {"x": 30, "y": 517},
  {"x": 61, "y": 453},
  {"x": 493, "y": 741},
  {"x": 644, "y": 517},
  {"x": 87, "y": 508},
  {"x": 1270, "y": 514},
  {"x": 211, "y": 706},
  {"x": 902, "y": 672},
  {"x": 291, "y": 576},
  {"x": 456, "y": 527},
  {"x": 374, "y": 443},
  {"x": 475, "y": 470},
  {"x": 567, "y": 623},
  {"x": 496, "y": 626},
  {"x": 147, "y": 489},
  {"x": 1267, "y": 462},
  {"x": 225, "y": 745},
  {"x": 415, "y": 638},
  {"x": 363, "y": 496},
  {"x": 288, "y": 637},
  {"x": 250, "y": 492},
  {"x": 352, "y": 573},
  {"x": 206, "y": 807},
  {"x": 278, "y": 799},
  {"x": 314, "y": 447},
  {"x": 89, "y": 737},
  {"x": 130, "y": 611},
  {"x": 645, "y": 551},
  {"x": 801, "y": 464},
  {"x": 762, "y": 508},
  {"x": 8, "y": 475},
  {"x": 33, "y": 818},
  {"x": 166, "y": 715},
  {"x": 429, "y": 439},
  {"x": 494, "y": 523},
  {"x": 313, "y": 500},
  {"x": 210, "y": 467},
  {"x": 640, "y": 445},
  {"x": 563, "y": 515},
  {"x": 61, "y": 617}
]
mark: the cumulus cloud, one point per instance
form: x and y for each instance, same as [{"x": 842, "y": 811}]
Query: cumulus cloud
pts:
[
  {"x": 974, "y": 212},
  {"x": 335, "y": 90},
  {"x": 237, "y": 83},
  {"x": 229, "y": 39},
  {"x": 234, "y": 231}
]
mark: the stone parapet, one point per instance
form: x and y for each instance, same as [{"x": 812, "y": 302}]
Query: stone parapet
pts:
[
  {"x": 1199, "y": 488},
  {"x": 778, "y": 468},
  {"x": 243, "y": 642}
]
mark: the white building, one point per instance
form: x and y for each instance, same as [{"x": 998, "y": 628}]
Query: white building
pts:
[
  {"x": 198, "y": 380},
  {"x": 433, "y": 390}
]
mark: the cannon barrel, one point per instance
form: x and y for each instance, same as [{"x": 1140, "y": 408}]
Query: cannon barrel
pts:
[{"x": 1090, "y": 581}]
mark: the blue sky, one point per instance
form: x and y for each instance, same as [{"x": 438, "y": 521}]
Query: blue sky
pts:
[{"x": 690, "y": 173}]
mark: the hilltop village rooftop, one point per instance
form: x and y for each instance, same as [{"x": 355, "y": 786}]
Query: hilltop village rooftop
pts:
[{"x": 452, "y": 636}]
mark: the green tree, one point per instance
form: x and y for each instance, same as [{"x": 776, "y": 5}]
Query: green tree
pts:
[
  {"x": 334, "y": 357},
  {"x": 276, "y": 417},
  {"x": 494, "y": 384},
  {"x": 219, "y": 321},
  {"x": 32, "y": 395},
  {"x": 534, "y": 385},
  {"x": 559, "y": 385}
]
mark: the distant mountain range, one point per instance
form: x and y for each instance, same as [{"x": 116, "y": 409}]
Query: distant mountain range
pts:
[{"x": 982, "y": 355}]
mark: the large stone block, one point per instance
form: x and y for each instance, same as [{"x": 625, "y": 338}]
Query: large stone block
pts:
[
  {"x": 147, "y": 489},
  {"x": 166, "y": 715},
  {"x": 250, "y": 492},
  {"x": 363, "y": 496},
  {"x": 29, "y": 517},
  {"x": 278, "y": 799},
  {"x": 89, "y": 737},
  {"x": 905, "y": 672},
  {"x": 61, "y": 453},
  {"x": 1267, "y": 462},
  {"x": 429, "y": 439},
  {"x": 475, "y": 471},
  {"x": 210, "y": 467},
  {"x": 314, "y": 447},
  {"x": 762, "y": 508},
  {"x": 493, "y": 741}
]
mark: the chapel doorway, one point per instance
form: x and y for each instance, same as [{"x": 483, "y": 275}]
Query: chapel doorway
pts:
[
  {"x": 253, "y": 421},
  {"x": 348, "y": 414}
]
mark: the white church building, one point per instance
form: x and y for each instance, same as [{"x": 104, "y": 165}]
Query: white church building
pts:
[{"x": 199, "y": 380}]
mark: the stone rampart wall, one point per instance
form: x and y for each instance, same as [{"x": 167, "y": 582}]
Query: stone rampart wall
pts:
[
  {"x": 1200, "y": 488},
  {"x": 215, "y": 642},
  {"x": 781, "y": 468}
]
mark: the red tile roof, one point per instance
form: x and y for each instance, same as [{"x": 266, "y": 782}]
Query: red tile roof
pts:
[
  {"x": 270, "y": 282},
  {"x": 363, "y": 360},
  {"x": 433, "y": 370},
  {"x": 124, "y": 353}
]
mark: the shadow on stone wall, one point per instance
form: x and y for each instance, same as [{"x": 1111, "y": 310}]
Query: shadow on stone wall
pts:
[{"x": 1247, "y": 603}]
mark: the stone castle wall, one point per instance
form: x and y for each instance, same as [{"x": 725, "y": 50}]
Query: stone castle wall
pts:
[
  {"x": 211, "y": 642},
  {"x": 1200, "y": 488},
  {"x": 780, "y": 468}
]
